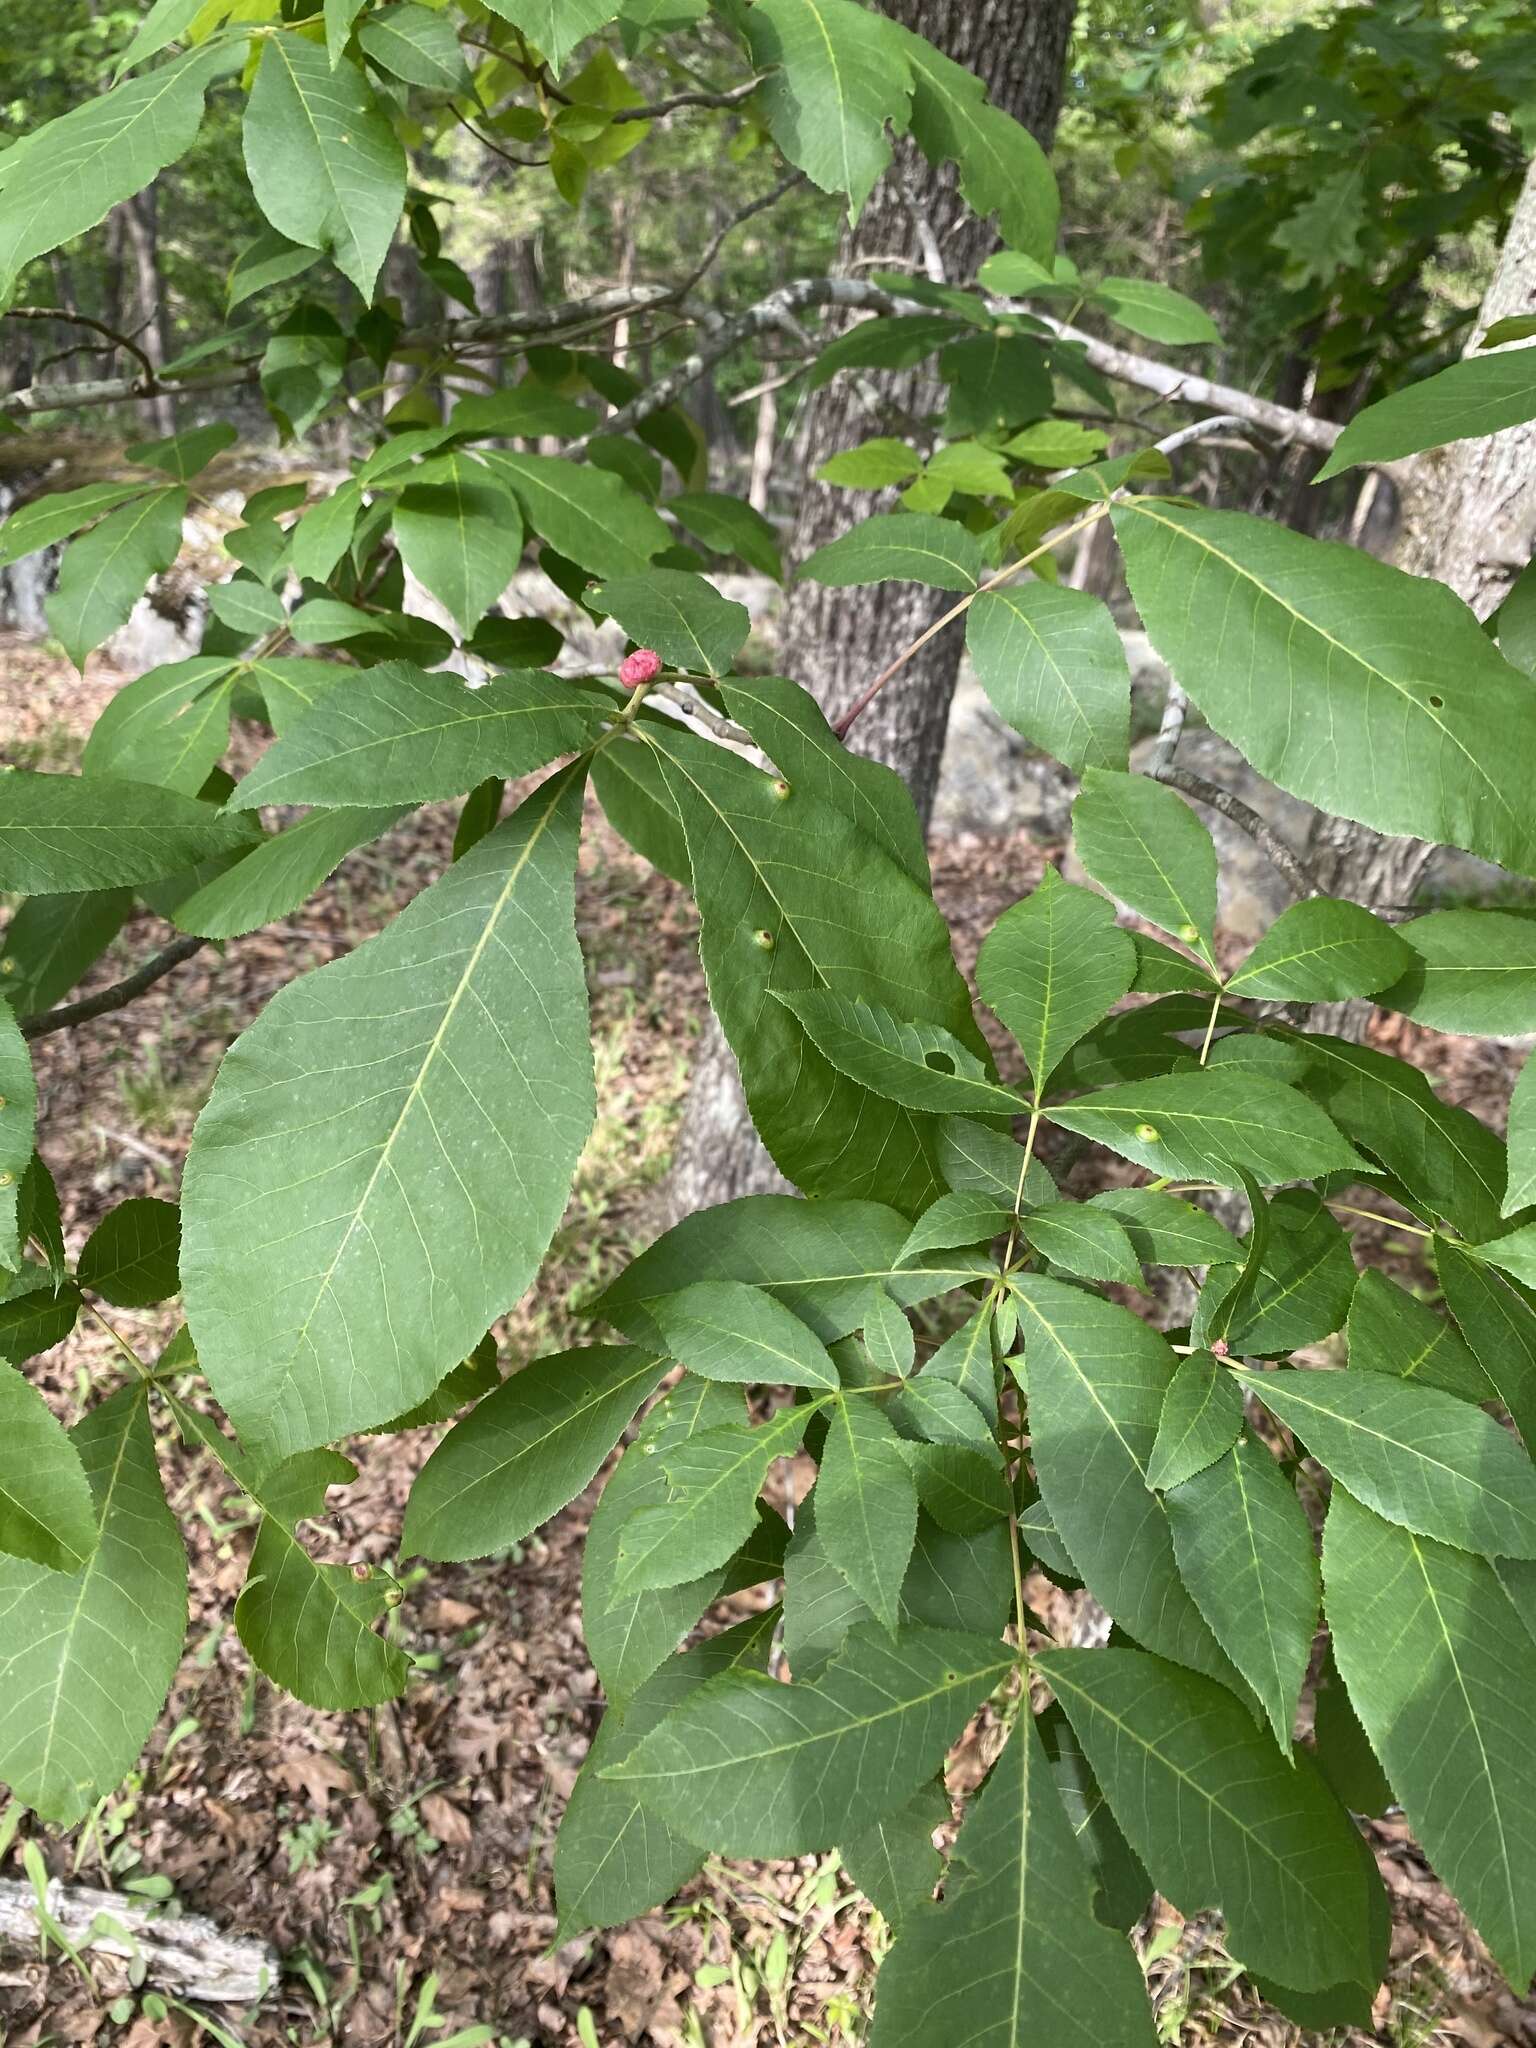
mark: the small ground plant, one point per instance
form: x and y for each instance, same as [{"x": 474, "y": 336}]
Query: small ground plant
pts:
[{"x": 390, "y": 1146}]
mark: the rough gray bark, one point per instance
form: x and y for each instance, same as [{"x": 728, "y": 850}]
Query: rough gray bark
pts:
[
  {"x": 189, "y": 1957},
  {"x": 1469, "y": 519},
  {"x": 832, "y": 638}
]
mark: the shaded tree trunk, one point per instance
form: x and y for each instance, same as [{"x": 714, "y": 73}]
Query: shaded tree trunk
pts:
[
  {"x": 1469, "y": 518},
  {"x": 831, "y": 637},
  {"x": 141, "y": 229}
]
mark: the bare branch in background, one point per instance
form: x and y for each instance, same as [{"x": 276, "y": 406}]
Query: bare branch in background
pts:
[
  {"x": 117, "y": 997},
  {"x": 1296, "y": 873}
]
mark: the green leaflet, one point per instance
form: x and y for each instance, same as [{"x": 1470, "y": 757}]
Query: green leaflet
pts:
[
  {"x": 555, "y": 27},
  {"x": 130, "y": 1257},
  {"x": 977, "y": 1160},
  {"x": 274, "y": 878},
  {"x": 1121, "y": 1887},
  {"x": 632, "y": 789},
  {"x": 1145, "y": 845},
  {"x": 729, "y": 526},
  {"x": 1322, "y": 951},
  {"x": 1201, "y": 1419},
  {"x": 69, "y": 174},
  {"x": 964, "y": 1361},
  {"x": 1051, "y": 660},
  {"x": 1440, "y": 1672},
  {"x": 587, "y": 513},
  {"x": 1302, "y": 1284},
  {"x": 1477, "y": 396},
  {"x": 169, "y": 726},
  {"x": 1015, "y": 1952},
  {"x": 753, "y": 1768},
  {"x": 1468, "y": 970},
  {"x": 1002, "y": 168},
  {"x": 460, "y": 534},
  {"x": 961, "y": 1485},
  {"x": 912, "y": 547},
  {"x": 319, "y": 540},
  {"x": 103, "y": 573},
  {"x": 714, "y": 1478},
  {"x": 64, "y": 1740},
  {"x": 1391, "y": 1330},
  {"x": 1165, "y": 1231},
  {"x": 837, "y": 916},
  {"x": 304, "y": 1289},
  {"x": 1416, "y": 1456},
  {"x": 1052, "y": 967},
  {"x": 995, "y": 380},
  {"x": 399, "y": 734},
  {"x": 1219, "y": 1817},
  {"x": 1451, "y": 1165},
  {"x": 526, "y": 1450},
  {"x": 836, "y": 78},
  {"x": 1098, "y": 1377},
  {"x": 725, "y": 1330},
  {"x": 246, "y": 607},
  {"x": 418, "y": 46},
  {"x": 893, "y": 342},
  {"x": 1500, "y": 1325},
  {"x": 1155, "y": 310},
  {"x": 18, "y": 1117},
  {"x": 65, "y": 834},
  {"x": 1083, "y": 1240},
  {"x": 34, "y": 1319},
  {"x": 683, "y": 617},
  {"x": 792, "y": 730},
  {"x": 819, "y": 1258},
  {"x": 57, "y": 514},
  {"x": 1522, "y": 1141},
  {"x": 894, "y": 1863},
  {"x": 866, "y": 1504},
  {"x": 957, "y": 1219},
  {"x": 323, "y": 159},
  {"x": 1244, "y": 1547},
  {"x": 46, "y": 1511},
  {"x": 614, "y": 1857},
  {"x": 1212, "y": 1125},
  {"x": 1161, "y": 971},
  {"x": 888, "y": 1337},
  {"x": 1371, "y": 693},
  {"x": 921, "y": 1066}
]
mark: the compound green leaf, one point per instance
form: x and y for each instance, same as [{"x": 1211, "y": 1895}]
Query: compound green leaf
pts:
[
  {"x": 1201, "y": 1419},
  {"x": 526, "y": 1450},
  {"x": 65, "y": 834},
  {"x": 1390, "y": 1330},
  {"x": 614, "y": 1857},
  {"x": 1440, "y": 1672},
  {"x": 836, "y": 78},
  {"x": 729, "y": 526},
  {"x": 460, "y": 535},
  {"x": 1014, "y": 1953},
  {"x": 726, "y": 1330},
  {"x": 866, "y": 1504},
  {"x": 1480, "y": 395},
  {"x": 909, "y": 547},
  {"x": 65, "y": 1738},
  {"x": 400, "y": 734},
  {"x": 104, "y": 573},
  {"x": 1212, "y": 1125},
  {"x": 977, "y": 1160},
  {"x": 47, "y": 1514},
  {"x": 750, "y": 1767},
  {"x": 683, "y": 617},
  {"x": 1219, "y": 1817},
  {"x": 1322, "y": 951},
  {"x": 1052, "y": 967},
  {"x": 324, "y": 162},
  {"x": 1373, "y": 694},
  {"x": 1244, "y": 1547},
  {"x": 920, "y": 1066},
  {"x": 1468, "y": 970},
  {"x": 1051, "y": 660},
  {"x": 1145, "y": 845},
  {"x": 418, "y": 45},
  {"x": 589, "y": 515},
  {"x": 440, "y": 1063},
  {"x": 1098, "y": 1377},
  {"x": 1423, "y": 1459},
  {"x": 284, "y": 871},
  {"x": 1303, "y": 1283},
  {"x": 957, "y": 1219},
  {"x": 169, "y": 726},
  {"x": 130, "y": 1258}
]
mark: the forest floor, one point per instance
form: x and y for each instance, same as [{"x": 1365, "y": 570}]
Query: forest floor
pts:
[{"x": 400, "y": 1861}]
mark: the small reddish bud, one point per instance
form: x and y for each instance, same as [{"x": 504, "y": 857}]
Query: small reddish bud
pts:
[
  {"x": 1221, "y": 1348},
  {"x": 643, "y": 666}
]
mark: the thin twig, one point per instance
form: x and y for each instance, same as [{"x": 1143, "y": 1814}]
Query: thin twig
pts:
[
  {"x": 523, "y": 163},
  {"x": 744, "y": 213},
  {"x": 117, "y": 997},
  {"x": 1170, "y": 732},
  {"x": 114, "y": 339},
  {"x": 1295, "y": 871},
  {"x": 659, "y": 109}
]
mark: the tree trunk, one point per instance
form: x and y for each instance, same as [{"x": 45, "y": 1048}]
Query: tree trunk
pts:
[
  {"x": 830, "y": 637},
  {"x": 141, "y": 229},
  {"x": 1469, "y": 519}
]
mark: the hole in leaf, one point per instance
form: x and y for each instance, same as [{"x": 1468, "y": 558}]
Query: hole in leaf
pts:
[
  {"x": 1435, "y": 703},
  {"x": 940, "y": 1062}
]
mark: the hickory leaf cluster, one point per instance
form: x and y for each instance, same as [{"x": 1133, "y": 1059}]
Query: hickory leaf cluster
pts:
[{"x": 1067, "y": 1297}]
